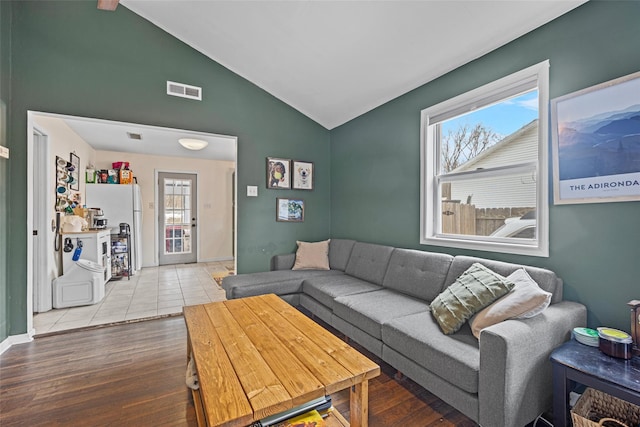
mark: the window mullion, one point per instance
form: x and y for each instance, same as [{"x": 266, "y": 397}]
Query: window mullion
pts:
[{"x": 488, "y": 173}]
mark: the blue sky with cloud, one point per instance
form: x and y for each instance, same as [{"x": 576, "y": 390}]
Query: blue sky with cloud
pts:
[{"x": 503, "y": 118}]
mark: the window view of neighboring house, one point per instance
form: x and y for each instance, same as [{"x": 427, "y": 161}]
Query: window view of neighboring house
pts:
[
  {"x": 493, "y": 200},
  {"x": 484, "y": 163}
]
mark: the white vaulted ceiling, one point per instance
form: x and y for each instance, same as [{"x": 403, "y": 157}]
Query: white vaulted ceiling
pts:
[{"x": 335, "y": 60}]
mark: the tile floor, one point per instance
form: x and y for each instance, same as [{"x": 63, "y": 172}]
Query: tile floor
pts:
[{"x": 151, "y": 292}]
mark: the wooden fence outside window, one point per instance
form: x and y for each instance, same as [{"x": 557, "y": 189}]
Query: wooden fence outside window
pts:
[{"x": 462, "y": 218}]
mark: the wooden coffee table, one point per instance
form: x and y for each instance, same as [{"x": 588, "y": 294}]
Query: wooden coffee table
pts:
[{"x": 259, "y": 356}]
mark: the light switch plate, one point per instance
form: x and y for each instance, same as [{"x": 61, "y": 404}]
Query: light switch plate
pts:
[
  {"x": 4, "y": 152},
  {"x": 252, "y": 191}
]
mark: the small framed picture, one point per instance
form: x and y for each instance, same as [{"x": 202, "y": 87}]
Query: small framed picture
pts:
[
  {"x": 278, "y": 173},
  {"x": 289, "y": 210},
  {"x": 302, "y": 175}
]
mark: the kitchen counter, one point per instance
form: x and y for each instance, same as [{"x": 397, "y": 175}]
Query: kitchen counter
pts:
[{"x": 90, "y": 231}]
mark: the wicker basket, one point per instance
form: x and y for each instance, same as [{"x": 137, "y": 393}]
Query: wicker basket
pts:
[{"x": 596, "y": 408}]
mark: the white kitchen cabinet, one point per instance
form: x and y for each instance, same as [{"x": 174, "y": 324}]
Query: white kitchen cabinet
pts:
[{"x": 96, "y": 247}]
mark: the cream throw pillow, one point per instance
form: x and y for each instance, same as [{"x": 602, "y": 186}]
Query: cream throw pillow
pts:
[
  {"x": 312, "y": 256},
  {"x": 525, "y": 300}
]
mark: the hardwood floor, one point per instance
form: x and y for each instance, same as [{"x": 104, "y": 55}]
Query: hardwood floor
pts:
[{"x": 134, "y": 375}]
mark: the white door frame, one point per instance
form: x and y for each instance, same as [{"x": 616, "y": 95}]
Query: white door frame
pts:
[
  {"x": 36, "y": 157},
  {"x": 156, "y": 201},
  {"x": 43, "y": 242}
]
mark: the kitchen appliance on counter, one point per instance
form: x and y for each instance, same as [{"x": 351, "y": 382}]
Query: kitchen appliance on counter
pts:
[
  {"x": 96, "y": 220},
  {"x": 121, "y": 204}
]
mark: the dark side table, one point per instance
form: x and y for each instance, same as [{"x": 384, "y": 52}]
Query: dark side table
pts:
[{"x": 577, "y": 363}]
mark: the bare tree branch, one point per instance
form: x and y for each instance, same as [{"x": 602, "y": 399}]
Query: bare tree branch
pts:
[{"x": 464, "y": 143}]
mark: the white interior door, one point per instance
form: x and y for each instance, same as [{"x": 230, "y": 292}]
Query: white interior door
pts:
[{"x": 177, "y": 218}]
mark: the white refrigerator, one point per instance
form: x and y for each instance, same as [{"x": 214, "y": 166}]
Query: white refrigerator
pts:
[{"x": 120, "y": 203}]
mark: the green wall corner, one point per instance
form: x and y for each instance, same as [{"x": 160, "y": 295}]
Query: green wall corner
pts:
[{"x": 594, "y": 248}]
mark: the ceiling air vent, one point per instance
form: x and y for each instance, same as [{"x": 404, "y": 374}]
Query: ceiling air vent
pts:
[
  {"x": 184, "y": 91},
  {"x": 137, "y": 136}
]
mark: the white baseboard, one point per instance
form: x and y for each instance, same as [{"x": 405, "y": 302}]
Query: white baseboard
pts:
[
  {"x": 219, "y": 259},
  {"x": 216, "y": 259},
  {"x": 15, "y": 339}
]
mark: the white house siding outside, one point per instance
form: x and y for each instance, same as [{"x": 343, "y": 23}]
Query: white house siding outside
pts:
[{"x": 502, "y": 192}]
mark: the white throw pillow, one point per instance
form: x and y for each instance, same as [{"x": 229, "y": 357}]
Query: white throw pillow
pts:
[
  {"x": 312, "y": 256},
  {"x": 525, "y": 300}
]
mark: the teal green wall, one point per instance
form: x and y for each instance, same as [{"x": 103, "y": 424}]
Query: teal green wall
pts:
[
  {"x": 70, "y": 58},
  {"x": 5, "y": 45},
  {"x": 375, "y": 161}
]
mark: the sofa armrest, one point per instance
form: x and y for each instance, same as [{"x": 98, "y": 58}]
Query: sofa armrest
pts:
[
  {"x": 283, "y": 262},
  {"x": 515, "y": 383}
]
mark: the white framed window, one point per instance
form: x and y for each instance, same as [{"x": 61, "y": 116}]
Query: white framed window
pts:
[{"x": 484, "y": 167}]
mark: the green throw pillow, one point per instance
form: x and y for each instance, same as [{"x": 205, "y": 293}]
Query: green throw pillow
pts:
[{"x": 475, "y": 289}]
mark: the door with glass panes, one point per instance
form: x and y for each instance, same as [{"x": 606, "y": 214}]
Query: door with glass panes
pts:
[{"x": 177, "y": 221}]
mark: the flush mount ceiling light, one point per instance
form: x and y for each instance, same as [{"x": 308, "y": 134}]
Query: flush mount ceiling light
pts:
[{"x": 193, "y": 144}]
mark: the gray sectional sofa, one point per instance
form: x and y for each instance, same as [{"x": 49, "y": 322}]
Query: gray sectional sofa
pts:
[{"x": 379, "y": 296}]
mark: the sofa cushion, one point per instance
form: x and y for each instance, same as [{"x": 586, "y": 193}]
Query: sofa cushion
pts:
[
  {"x": 282, "y": 262},
  {"x": 454, "y": 358},
  {"x": 339, "y": 253},
  {"x": 416, "y": 273},
  {"x": 279, "y": 282},
  {"x": 475, "y": 289},
  {"x": 368, "y": 311},
  {"x": 546, "y": 279},
  {"x": 369, "y": 262},
  {"x": 312, "y": 256},
  {"x": 525, "y": 300},
  {"x": 325, "y": 289}
]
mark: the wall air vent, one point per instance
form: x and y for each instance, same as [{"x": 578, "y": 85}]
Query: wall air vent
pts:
[
  {"x": 137, "y": 136},
  {"x": 184, "y": 91}
]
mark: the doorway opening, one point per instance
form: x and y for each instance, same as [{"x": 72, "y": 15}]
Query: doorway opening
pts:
[{"x": 104, "y": 142}]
